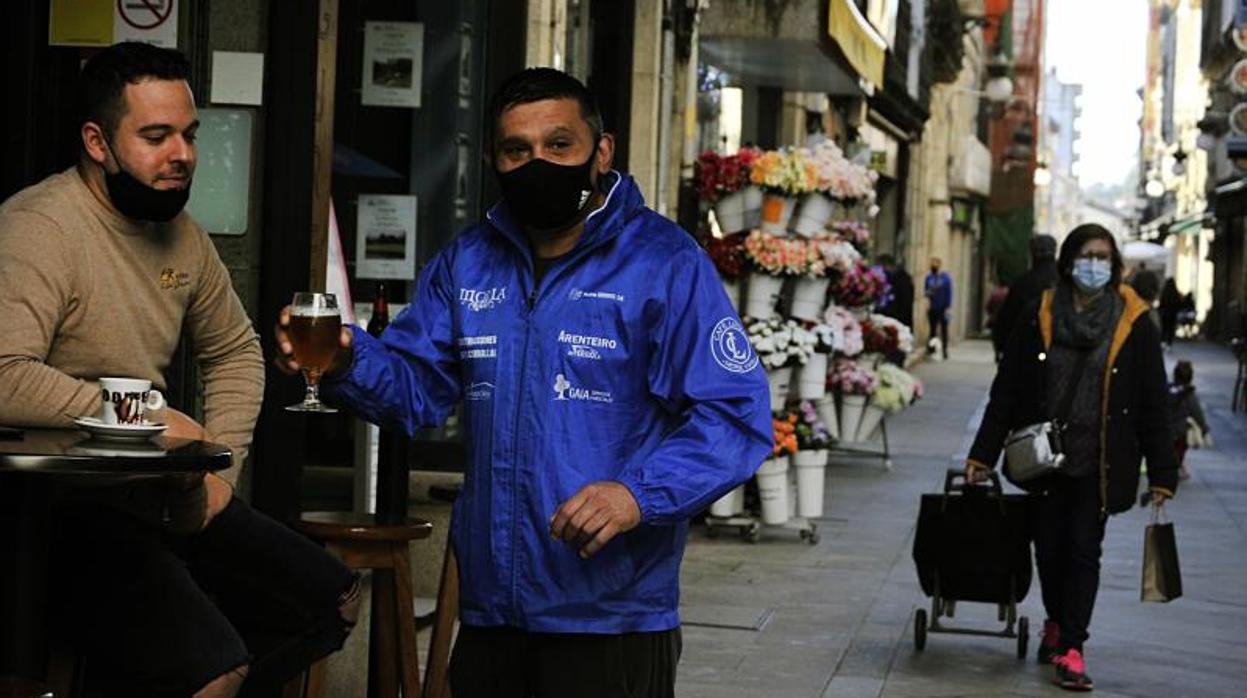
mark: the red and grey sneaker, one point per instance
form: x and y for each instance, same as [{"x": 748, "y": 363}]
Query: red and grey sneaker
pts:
[
  {"x": 1071, "y": 672},
  {"x": 1049, "y": 642}
]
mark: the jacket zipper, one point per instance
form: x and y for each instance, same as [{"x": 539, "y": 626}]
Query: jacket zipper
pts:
[{"x": 530, "y": 302}]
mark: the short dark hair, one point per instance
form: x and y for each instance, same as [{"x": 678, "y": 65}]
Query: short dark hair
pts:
[
  {"x": 1183, "y": 372},
  {"x": 1146, "y": 284},
  {"x": 102, "y": 83},
  {"x": 538, "y": 84},
  {"x": 1043, "y": 247},
  {"x": 1080, "y": 236}
]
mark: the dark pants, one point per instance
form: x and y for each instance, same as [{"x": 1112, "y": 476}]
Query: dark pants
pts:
[
  {"x": 1179, "y": 450},
  {"x": 510, "y": 663},
  {"x": 939, "y": 319},
  {"x": 1068, "y": 533},
  {"x": 159, "y": 614}
]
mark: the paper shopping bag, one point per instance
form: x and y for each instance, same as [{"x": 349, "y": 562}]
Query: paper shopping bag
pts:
[{"x": 1162, "y": 578}]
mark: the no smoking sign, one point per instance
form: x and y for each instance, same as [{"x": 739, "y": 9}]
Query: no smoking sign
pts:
[
  {"x": 106, "y": 22},
  {"x": 144, "y": 14}
]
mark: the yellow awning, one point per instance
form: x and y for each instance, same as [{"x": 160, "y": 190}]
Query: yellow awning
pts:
[{"x": 858, "y": 39}]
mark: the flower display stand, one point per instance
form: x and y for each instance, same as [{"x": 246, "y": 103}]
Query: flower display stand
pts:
[
  {"x": 761, "y": 295},
  {"x": 813, "y": 213},
  {"x": 776, "y": 212},
  {"x": 779, "y": 510},
  {"x": 809, "y": 298},
  {"x": 732, "y": 287},
  {"x": 867, "y": 449},
  {"x": 811, "y": 378},
  {"x": 752, "y": 206},
  {"x": 729, "y": 211}
]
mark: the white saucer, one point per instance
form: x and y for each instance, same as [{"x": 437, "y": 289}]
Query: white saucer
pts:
[{"x": 119, "y": 432}]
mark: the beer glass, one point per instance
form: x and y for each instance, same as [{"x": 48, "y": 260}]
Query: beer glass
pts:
[{"x": 315, "y": 325}]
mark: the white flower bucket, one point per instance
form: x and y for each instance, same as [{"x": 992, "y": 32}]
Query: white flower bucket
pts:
[
  {"x": 732, "y": 287},
  {"x": 729, "y": 504},
  {"x": 753, "y": 206},
  {"x": 827, "y": 414},
  {"x": 811, "y": 470},
  {"x": 729, "y": 211},
  {"x": 776, "y": 212},
  {"x": 811, "y": 378},
  {"x": 809, "y": 297},
  {"x": 772, "y": 479},
  {"x": 762, "y": 294},
  {"x": 851, "y": 408},
  {"x": 812, "y": 215},
  {"x": 780, "y": 380},
  {"x": 871, "y": 417}
]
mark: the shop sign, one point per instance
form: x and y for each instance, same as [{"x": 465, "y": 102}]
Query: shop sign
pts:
[{"x": 106, "y": 22}]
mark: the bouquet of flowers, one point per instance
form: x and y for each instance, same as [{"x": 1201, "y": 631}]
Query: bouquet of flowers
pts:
[
  {"x": 728, "y": 255},
  {"x": 777, "y": 256},
  {"x": 897, "y": 389},
  {"x": 831, "y": 255},
  {"x": 785, "y": 172},
  {"x": 884, "y": 335},
  {"x": 781, "y": 343},
  {"x": 812, "y": 434},
  {"x": 849, "y": 378},
  {"x": 855, "y": 232},
  {"x": 785, "y": 426},
  {"x": 718, "y": 175},
  {"x": 838, "y": 176},
  {"x": 826, "y": 339},
  {"x": 846, "y": 331},
  {"x": 861, "y": 286}
]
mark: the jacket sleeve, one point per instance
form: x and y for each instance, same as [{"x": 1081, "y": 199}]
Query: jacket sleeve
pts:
[
  {"x": 409, "y": 378},
  {"x": 1155, "y": 440},
  {"x": 998, "y": 416},
  {"x": 718, "y": 406}
]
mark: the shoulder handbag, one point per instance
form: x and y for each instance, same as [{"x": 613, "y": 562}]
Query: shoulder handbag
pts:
[{"x": 1035, "y": 450}]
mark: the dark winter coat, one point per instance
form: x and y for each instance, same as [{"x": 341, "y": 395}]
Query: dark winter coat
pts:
[
  {"x": 1024, "y": 292},
  {"x": 1135, "y": 418}
]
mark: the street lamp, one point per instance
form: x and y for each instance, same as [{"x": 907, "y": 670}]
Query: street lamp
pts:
[
  {"x": 1154, "y": 188},
  {"x": 998, "y": 89},
  {"x": 1043, "y": 176}
]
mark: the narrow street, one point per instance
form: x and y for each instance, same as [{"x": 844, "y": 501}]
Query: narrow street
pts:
[{"x": 836, "y": 619}]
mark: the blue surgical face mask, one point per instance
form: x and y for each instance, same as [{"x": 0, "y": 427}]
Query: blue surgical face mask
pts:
[{"x": 1091, "y": 275}]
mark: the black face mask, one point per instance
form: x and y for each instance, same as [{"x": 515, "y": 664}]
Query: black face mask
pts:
[
  {"x": 547, "y": 198},
  {"x": 140, "y": 202}
]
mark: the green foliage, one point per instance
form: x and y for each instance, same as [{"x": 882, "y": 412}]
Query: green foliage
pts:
[{"x": 1008, "y": 237}]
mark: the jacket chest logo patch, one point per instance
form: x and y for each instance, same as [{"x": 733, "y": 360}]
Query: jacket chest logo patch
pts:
[
  {"x": 583, "y": 346},
  {"x": 730, "y": 347},
  {"x": 171, "y": 280},
  {"x": 482, "y": 299},
  {"x": 577, "y": 294},
  {"x": 564, "y": 391},
  {"x": 479, "y": 347}
]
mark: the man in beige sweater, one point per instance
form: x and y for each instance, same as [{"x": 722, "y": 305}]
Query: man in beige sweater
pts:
[{"x": 101, "y": 271}]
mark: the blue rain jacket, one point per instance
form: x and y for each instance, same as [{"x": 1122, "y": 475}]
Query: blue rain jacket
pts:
[{"x": 628, "y": 363}]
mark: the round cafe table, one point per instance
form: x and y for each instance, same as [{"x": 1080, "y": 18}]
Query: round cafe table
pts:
[{"x": 28, "y": 468}]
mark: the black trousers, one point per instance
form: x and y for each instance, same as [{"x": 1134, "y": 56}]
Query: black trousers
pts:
[
  {"x": 1068, "y": 534},
  {"x": 158, "y": 614},
  {"x": 939, "y": 319},
  {"x": 507, "y": 662}
]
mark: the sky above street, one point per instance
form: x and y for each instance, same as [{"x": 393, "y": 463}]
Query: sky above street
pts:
[{"x": 1101, "y": 44}]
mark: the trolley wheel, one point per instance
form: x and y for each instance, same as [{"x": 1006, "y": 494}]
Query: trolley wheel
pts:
[
  {"x": 920, "y": 629},
  {"x": 813, "y": 538},
  {"x": 1024, "y": 633},
  {"x": 887, "y": 464},
  {"x": 754, "y": 533}
]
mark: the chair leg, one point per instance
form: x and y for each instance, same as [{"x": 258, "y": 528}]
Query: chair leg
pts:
[
  {"x": 405, "y": 615},
  {"x": 437, "y": 669},
  {"x": 315, "y": 686},
  {"x": 382, "y": 664}
]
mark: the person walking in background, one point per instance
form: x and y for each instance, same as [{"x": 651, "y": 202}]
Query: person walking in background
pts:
[
  {"x": 995, "y": 301},
  {"x": 900, "y": 304},
  {"x": 1026, "y": 290},
  {"x": 1089, "y": 345},
  {"x": 939, "y": 292},
  {"x": 1170, "y": 306},
  {"x": 1147, "y": 284},
  {"x": 1183, "y": 407}
]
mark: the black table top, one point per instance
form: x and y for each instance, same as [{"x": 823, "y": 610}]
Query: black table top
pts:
[{"x": 74, "y": 452}]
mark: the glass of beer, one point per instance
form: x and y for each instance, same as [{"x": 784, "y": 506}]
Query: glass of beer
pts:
[{"x": 315, "y": 325}]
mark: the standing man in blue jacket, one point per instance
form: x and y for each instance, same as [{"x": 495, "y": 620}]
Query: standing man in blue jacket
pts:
[
  {"x": 939, "y": 292},
  {"x": 609, "y": 393}
]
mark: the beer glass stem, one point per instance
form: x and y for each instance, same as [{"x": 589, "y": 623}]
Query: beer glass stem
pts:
[{"x": 312, "y": 397}]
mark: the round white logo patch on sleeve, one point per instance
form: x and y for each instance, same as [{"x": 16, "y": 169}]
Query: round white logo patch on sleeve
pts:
[{"x": 730, "y": 346}]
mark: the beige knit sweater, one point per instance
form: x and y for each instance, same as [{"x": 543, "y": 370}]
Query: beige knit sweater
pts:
[{"x": 86, "y": 293}]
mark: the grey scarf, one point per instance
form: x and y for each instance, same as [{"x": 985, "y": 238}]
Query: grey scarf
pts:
[{"x": 1091, "y": 327}]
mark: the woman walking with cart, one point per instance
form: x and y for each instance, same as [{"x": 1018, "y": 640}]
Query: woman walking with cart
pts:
[{"x": 1089, "y": 360}]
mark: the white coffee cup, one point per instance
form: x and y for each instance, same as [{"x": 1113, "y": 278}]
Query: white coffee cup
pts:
[{"x": 126, "y": 400}]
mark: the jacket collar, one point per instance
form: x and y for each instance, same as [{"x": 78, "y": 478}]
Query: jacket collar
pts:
[
  {"x": 1132, "y": 307},
  {"x": 623, "y": 201}
]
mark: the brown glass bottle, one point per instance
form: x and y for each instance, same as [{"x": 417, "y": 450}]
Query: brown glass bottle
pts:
[{"x": 380, "y": 312}]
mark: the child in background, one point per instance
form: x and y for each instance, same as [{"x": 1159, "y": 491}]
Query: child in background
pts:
[{"x": 1184, "y": 405}]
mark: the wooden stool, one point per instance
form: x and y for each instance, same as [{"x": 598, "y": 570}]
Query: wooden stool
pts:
[
  {"x": 363, "y": 544},
  {"x": 437, "y": 668}
]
